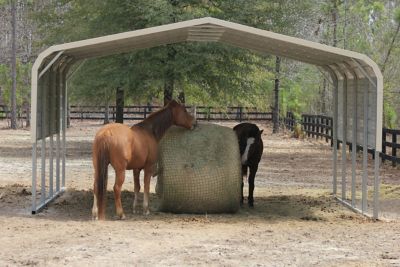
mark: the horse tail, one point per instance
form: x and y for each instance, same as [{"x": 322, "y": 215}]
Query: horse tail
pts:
[{"x": 101, "y": 161}]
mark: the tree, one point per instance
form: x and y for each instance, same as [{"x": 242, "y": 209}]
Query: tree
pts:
[{"x": 13, "y": 67}]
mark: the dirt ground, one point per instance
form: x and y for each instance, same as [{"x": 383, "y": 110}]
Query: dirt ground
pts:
[{"x": 295, "y": 221}]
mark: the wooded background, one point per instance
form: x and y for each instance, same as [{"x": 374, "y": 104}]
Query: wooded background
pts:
[{"x": 208, "y": 74}]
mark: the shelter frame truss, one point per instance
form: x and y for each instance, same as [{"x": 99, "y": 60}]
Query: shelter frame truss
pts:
[{"x": 357, "y": 98}]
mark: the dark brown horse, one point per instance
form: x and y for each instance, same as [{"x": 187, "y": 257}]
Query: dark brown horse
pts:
[
  {"x": 251, "y": 149},
  {"x": 133, "y": 148}
]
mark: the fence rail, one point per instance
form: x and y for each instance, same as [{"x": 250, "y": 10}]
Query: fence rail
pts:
[
  {"x": 5, "y": 113},
  {"x": 319, "y": 126},
  {"x": 141, "y": 112}
]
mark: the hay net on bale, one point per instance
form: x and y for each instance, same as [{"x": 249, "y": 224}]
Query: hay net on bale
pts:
[{"x": 199, "y": 171}]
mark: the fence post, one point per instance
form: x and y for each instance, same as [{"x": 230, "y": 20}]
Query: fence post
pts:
[
  {"x": 383, "y": 144},
  {"x": 291, "y": 121},
  {"x": 313, "y": 126},
  {"x": 326, "y": 123},
  {"x": 394, "y": 142}
]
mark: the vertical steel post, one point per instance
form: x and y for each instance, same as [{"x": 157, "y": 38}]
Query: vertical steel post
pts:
[
  {"x": 51, "y": 118},
  {"x": 344, "y": 138},
  {"x": 354, "y": 136},
  {"x": 334, "y": 126},
  {"x": 43, "y": 140},
  {"x": 64, "y": 127},
  {"x": 376, "y": 186},
  {"x": 58, "y": 126},
  {"x": 34, "y": 175},
  {"x": 364, "y": 189}
]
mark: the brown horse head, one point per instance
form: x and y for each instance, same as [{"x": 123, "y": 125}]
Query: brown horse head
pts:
[{"x": 180, "y": 116}]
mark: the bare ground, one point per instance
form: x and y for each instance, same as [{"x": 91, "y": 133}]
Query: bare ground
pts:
[{"x": 295, "y": 221}]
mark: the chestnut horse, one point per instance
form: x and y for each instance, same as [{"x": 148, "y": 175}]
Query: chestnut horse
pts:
[{"x": 133, "y": 148}]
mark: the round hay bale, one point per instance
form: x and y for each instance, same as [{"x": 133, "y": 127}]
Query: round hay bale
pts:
[{"x": 199, "y": 171}]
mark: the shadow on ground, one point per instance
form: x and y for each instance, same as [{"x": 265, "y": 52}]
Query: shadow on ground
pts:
[{"x": 76, "y": 205}]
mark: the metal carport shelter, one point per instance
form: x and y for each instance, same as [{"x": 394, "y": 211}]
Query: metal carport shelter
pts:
[{"x": 357, "y": 80}]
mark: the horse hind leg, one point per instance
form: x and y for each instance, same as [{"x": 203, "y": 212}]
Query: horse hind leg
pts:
[
  {"x": 119, "y": 180},
  {"x": 136, "y": 180},
  {"x": 95, "y": 210},
  {"x": 244, "y": 175},
  {"x": 147, "y": 177},
  {"x": 252, "y": 175}
]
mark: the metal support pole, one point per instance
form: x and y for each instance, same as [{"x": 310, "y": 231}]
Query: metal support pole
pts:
[
  {"x": 344, "y": 139},
  {"x": 51, "y": 118},
  {"x": 51, "y": 169},
  {"x": 34, "y": 175},
  {"x": 58, "y": 162},
  {"x": 376, "y": 186},
  {"x": 364, "y": 189},
  {"x": 43, "y": 171},
  {"x": 64, "y": 127},
  {"x": 43, "y": 145},
  {"x": 334, "y": 127},
  {"x": 58, "y": 127},
  {"x": 354, "y": 136}
]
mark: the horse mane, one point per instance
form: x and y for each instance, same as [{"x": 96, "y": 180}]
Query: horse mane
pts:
[{"x": 158, "y": 122}]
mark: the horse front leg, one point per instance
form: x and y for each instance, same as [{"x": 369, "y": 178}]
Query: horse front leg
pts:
[
  {"x": 136, "y": 180},
  {"x": 147, "y": 176},
  {"x": 244, "y": 174},
  {"x": 119, "y": 180},
  {"x": 253, "y": 170}
]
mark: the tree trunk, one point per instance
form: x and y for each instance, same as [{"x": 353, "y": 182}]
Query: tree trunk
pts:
[
  {"x": 168, "y": 88},
  {"x": 107, "y": 113},
  {"x": 169, "y": 80},
  {"x": 275, "y": 114},
  {"x": 119, "y": 117},
  {"x": 334, "y": 22},
  {"x": 345, "y": 25},
  {"x": 324, "y": 97},
  {"x": 390, "y": 48},
  {"x": 181, "y": 97},
  {"x": 13, "y": 67}
]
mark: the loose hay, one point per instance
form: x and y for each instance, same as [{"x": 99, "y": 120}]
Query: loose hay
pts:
[{"x": 199, "y": 170}]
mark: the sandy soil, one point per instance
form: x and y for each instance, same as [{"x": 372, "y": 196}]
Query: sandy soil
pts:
[{"x": 295, "y": 221}]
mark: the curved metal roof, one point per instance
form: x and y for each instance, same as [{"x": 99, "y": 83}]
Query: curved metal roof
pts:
[{"x": 335, "y": 61}]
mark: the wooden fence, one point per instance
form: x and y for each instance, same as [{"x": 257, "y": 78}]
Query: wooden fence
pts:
[
  {"x": 5, "y": 113},
  {"x": 141, "y": 112},
  {"x": 394, "y": 145},
  {"x": 318, "y": 126}
]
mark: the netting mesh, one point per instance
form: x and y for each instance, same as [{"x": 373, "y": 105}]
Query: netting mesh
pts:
[{"x": 199, "y": 170}]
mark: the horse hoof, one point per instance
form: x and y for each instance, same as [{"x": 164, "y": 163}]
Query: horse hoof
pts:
[
  {"x": 121, "y": 217},
  {"x": 146, "y": 212},
  {"x": 136, "y": 211}
]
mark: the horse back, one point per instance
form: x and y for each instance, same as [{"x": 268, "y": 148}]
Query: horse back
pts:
[
  {"x": 244, "y": 131},
  {"x": 128, "y": 148}
]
